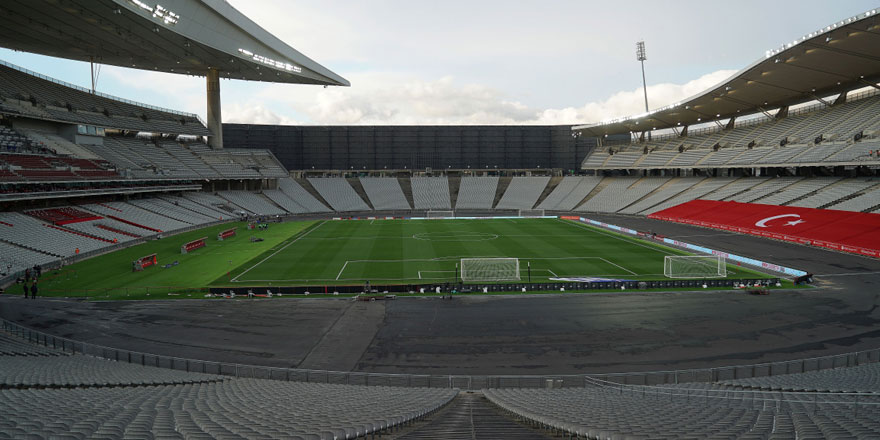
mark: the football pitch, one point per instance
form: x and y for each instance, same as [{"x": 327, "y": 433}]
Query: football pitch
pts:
[{"x": 429, "y": 251}]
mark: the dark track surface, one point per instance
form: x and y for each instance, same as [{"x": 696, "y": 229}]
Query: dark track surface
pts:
[{"x": 574, "y": 333}]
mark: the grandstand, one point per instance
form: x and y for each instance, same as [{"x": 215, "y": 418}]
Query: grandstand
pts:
[{"x": 85, "y": 174}]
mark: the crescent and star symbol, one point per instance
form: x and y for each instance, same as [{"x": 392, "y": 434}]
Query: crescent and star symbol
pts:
[{"x": 763, "y": 223}]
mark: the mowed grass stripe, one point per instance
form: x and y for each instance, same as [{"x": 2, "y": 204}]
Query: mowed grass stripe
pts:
[
  {"x": 196, "y": 269},
  {"x": 387, "y": 251}
]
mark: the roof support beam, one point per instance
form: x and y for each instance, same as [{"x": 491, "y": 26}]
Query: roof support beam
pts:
[
  {"x": 215, "y": 119},
  {"x": 782, "y": 113},
  {"x": 869, "y": 83},
  {"x": 827, "y": 104}
]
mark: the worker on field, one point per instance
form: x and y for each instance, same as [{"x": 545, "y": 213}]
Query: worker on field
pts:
[{"x": 34, "y": 290}]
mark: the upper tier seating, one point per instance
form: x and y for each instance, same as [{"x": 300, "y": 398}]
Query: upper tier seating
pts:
[
  {"x": 833, "y": 128},
  {"x": 385, "y": 193},
  {"x": 523, "y": 192},
  {"x": 476, "y": 192},
  {"x": 339, "y": 194},
  {"x": 51, "y": 99},
  {"x": 430, "y": 193}
]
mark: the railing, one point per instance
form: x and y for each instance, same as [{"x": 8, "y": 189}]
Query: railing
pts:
[
  {"x": 103, "y": 95},
  {"x": 476, "y": 382},
  {"x": 747, "y": 121}
]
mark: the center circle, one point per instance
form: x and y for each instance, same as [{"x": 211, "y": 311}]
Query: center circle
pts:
[{"x": 455, "y": 236}]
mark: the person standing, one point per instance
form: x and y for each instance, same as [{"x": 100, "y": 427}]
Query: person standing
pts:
[
  {"x": 24, "y": 285},
  {"x": 34, "y": 290}
]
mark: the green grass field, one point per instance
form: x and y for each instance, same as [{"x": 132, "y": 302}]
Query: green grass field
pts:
[
  {"x": 379, "y": 251},
  {"x": 426, "y": 251}
]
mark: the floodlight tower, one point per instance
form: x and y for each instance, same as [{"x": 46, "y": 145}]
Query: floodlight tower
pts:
[{"x": 640, "y": 55}]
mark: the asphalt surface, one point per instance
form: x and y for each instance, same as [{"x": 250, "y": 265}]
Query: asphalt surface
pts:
[{"x": 534, "y": 334}]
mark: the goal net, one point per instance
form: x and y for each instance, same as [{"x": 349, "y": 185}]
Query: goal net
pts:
[
  {"x": 489, "y": 269},
  {"x": 441, "y": 214},
  {"x": 676, "y": 266},
  {"x": 531, "y": 212}
]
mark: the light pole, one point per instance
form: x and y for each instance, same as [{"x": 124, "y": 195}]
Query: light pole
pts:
[{"x": 641, "y": 56}]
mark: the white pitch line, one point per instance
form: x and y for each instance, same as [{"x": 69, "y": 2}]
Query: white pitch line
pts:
[
  {"x": 554, "y": 273},
  {"x": 343, "y": 268},
  {"x": 279, "y": 250},
  {"x": 619, "y": 266},
  {"x": 600, "y": 231}
]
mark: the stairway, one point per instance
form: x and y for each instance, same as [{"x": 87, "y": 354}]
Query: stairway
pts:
[
  {"x": 596, "y": 190},
  {"x": 503, "y": 183},
  {"x": 471, "y": 416},
  {"x": 551, "y": 185},
  {"x": 311, "y": 190},
  {"x": 359, "y": 189},
  {"x": 406, "y": 186},
  {"x": 454, "y": 185}
]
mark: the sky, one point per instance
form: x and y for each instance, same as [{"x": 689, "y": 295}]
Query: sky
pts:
[{"x": 480, "y": 61}]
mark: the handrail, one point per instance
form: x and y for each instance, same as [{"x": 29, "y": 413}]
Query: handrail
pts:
[{"x": 101, "y": 94}]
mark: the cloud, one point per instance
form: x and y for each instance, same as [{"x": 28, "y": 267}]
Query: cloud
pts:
[
  {"x": 394, "y": 99},
  {"x": 632, "y": 102},
  {"x": 251, "y": 113}
]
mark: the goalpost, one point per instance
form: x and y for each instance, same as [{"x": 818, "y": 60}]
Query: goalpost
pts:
[
  {"x": 489, "y": 269},
  {"x": 531, "y": 212},
  {"x": 440, "y": 214},
  {"x": 700, "y": 266}
]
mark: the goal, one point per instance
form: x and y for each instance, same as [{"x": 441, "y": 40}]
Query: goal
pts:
[
  {"x": 709, "y": 266},
  {"x": 531, "y": 212},
  {"x": 489, "y": 269},
  {"x": 441, "y": 214}
]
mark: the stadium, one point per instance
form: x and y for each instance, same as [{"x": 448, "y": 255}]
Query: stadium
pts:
[{"x": 708, "y": 269}]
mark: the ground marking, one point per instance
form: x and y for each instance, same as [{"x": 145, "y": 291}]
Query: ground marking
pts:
[
  {"x": 617, "y": 265},
  {"x": 279, "y": 250},
  {"x": 599, "y": 231},
  {"x": 340, "y": 270}
]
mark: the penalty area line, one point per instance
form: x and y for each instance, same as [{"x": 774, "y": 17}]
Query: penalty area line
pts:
[
  {"x": 235, "y": 280},
  {"x": 619, "y": 266},
  {"x": 343, "y": 268}
]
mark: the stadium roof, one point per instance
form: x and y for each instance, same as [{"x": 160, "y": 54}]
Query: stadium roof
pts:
[
  {"x": 840, "y": 57},
  {"x": 177, "y": 36}
]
